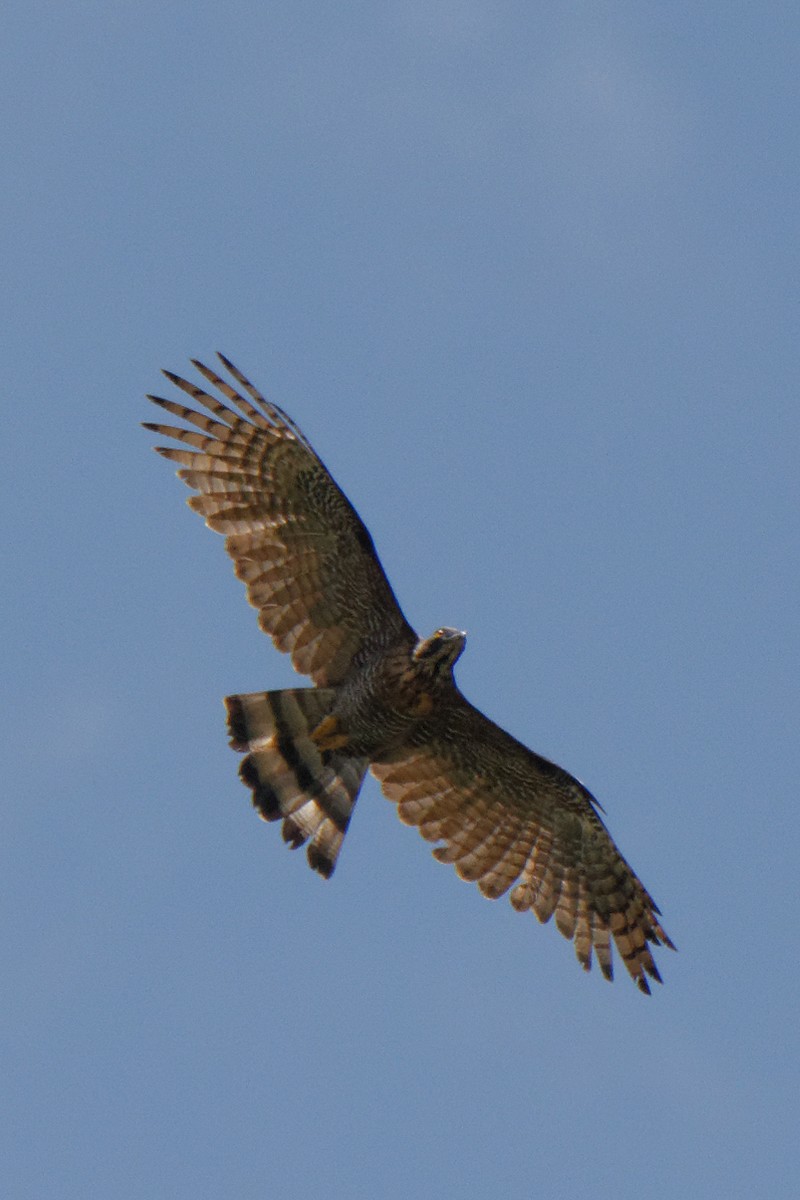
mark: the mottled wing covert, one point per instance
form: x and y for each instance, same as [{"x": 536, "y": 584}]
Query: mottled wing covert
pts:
[
  {"x": 304, "y": 554},
  {"x": 507, "y": 818}
]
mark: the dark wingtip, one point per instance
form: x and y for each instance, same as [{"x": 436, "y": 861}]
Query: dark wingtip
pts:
[
  {"x": 652, "y": 971},
  {"x": 607, "y": 970},
  {"x": 207, "y": 372}
]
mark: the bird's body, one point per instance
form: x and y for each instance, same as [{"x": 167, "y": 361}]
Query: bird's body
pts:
[
  {"x": 384, "y": 699},
  {"x": 380, "y": 705}
]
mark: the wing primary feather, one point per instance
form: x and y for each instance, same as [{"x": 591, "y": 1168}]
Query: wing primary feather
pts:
[
  {"x": 207, "y": 424},
  {"x": 231, "y": 418},
  {"x": 269, "y": 406}
]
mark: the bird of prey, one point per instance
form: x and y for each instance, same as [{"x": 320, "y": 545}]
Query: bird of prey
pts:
[{"x": 383, "y": 698}]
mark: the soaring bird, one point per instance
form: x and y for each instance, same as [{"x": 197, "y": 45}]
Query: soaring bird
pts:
[{"x": 384, "y": 699}]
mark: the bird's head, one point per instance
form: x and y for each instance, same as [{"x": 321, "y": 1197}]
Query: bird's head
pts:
[{"x": 439, "y": 652}]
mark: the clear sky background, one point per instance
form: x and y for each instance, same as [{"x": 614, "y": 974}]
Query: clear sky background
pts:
[{"x": 527, "y": 276}]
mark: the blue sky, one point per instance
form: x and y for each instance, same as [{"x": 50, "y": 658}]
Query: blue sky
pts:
[{"x": 527, "y": 277}]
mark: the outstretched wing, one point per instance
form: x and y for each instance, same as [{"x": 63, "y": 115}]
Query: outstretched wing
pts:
[
  {"x": 504, "y": 816},
  {"x": 298, "y": 544}
]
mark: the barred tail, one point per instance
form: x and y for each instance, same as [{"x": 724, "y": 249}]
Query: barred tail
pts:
[{"x": 313, "y": 791}]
